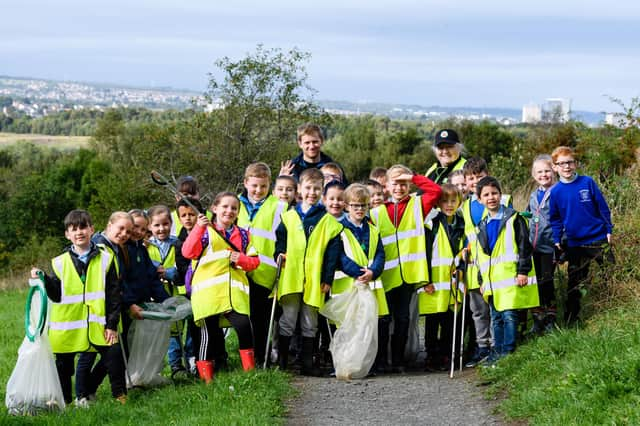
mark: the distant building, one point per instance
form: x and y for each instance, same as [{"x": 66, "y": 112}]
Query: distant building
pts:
[
  {"x": 557, "y": 110},
  {"x": 531, "y": 113}
]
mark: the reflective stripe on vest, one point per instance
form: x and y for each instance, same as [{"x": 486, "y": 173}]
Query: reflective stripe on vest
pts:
[
  {"x": 343, "y": 283},
  {"x": 499, "y": 270},
  {"x": 443, "y": 262},
  {"x": 217, "y": 287},
  {"x": 78, "y": 320},
  {"x": 302, "y": 271},
  {"x": 263, "y": 237},
  {"x": 405, "y": 251}
]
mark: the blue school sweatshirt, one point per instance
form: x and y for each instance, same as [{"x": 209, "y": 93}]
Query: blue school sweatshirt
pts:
[{"x": 578, "y": 209}]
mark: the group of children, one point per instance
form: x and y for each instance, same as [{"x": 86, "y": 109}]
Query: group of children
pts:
[{"x": 324, "y": 237}]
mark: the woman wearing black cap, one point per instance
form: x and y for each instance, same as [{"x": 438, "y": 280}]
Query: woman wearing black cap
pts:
[{"x": 448, "y": 150}]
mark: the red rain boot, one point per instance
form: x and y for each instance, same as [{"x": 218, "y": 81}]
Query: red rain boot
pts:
[
  {"x": 248, "y": 359},
  {"x": 205, "y": 370}
]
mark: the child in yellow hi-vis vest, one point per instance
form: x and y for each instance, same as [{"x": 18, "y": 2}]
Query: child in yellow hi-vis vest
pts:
[
  {"x": 508, "y": 280},
  {"x": 309, "y": 238},
  {"x": 260, "y": 215},
  {"x": 445, "y": 240},
  {"x": 86, "y": 305},
  {"x": 219, "y": 287}
]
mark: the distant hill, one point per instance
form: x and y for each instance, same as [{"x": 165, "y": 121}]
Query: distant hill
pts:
[{"x": 51, "y": 95}]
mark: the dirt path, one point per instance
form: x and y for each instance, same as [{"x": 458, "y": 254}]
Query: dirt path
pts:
[{"x": 408, "y": 399}]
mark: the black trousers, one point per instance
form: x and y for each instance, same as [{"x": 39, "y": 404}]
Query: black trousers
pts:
[
  {"x": 579, "y": 259},
  {"x": 212, "y": 336},
  {"x": 545, "y": 268},
  {"x": 398, "y": 300},
  {"x": 113, "y": 362},
  {"x": 260, "y": 306}
]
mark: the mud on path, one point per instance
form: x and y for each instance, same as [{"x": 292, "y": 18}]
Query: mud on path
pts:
[{"x": 407, "y": 399}]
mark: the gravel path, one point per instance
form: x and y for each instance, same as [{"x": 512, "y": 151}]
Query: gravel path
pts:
[{"x": 408, "y": 399}]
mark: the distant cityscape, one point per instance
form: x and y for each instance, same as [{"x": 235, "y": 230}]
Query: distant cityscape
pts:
[{"x": 37, "y": 98}]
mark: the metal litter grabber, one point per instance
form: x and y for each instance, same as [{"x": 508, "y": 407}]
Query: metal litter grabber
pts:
[
  {"x": 273, "y": 307},
  {"x": 163, "y": 181}
]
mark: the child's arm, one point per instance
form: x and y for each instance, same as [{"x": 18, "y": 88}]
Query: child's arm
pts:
[
  {"x": 603, "y": 208},
  {"x": 281, "y": 241},
  {"x": 377, "y": 266},
  {"x": 431, "y": 192},
  {"x": 525, "y": 249},
  {"x": 113, "y": 300},
  {"x": 192, "y": 246},
  {"x": 246, "y": 262},
  {"x": 555, "y": 220},
  {"x": 52, "y": 284},
  {"x": 330, "y": 261}
]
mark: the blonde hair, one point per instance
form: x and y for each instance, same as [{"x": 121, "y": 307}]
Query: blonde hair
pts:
[
  {"x": 357, "y": 192},
  {"x": 564, "y": 151},
  {"x": 397, "y": 170},
  {"x": 313, "y": 175},
  {"x": 115, "y": 216},
  {"x": 542, "y": 158},
  {"x": 258, "y": 170}
]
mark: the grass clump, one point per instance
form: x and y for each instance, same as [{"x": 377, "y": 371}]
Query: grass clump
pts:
[
  {"x": 234, "y": 397},
  {"x": 588, "y": 375}
]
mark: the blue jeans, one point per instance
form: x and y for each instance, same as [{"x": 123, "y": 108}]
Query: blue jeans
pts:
[
  {"x": 505, "y": 329},
  {"x": 174, "y": 352}
]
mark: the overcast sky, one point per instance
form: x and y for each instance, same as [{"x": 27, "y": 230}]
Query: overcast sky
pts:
[{"x": 429, "y": 52}]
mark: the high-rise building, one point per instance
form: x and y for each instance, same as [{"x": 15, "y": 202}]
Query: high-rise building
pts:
[
  {"x": 531, "y": 113},
  {"x": 557, "y": 110}
]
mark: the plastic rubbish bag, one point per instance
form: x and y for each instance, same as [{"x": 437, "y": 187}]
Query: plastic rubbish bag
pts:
[
  {"x": 34, "y": 384},
  {"x": 149, "y": 340},
  {"x": 355, "y": 343}
]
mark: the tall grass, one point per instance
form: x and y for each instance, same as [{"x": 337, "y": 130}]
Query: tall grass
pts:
[
  {"x": 589, "y": 374},
  {"x": 234, "y": 398}
]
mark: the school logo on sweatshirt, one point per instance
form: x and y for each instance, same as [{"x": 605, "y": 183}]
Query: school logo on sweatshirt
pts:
[{"x": 585, "y": 196}]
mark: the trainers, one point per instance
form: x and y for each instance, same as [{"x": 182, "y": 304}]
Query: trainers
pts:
[
  {"x": 480, "y": 355},
  {"x": 122, "y": 399},
  {"x": 81, "y": 402}
]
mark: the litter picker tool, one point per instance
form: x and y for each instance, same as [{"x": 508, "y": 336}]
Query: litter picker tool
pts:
[
  {"x": 465, "y": 280},
  {"x": 273, "y": 308},
  {"x": 455, "y": 289},
  {"x": 163, "y": 181}
]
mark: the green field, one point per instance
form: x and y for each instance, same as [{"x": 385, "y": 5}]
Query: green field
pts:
[
  {"x": 236, "y": 397},
  {"x": 61, "y": 142}
]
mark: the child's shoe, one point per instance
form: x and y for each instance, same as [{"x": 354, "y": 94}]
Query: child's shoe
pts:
[
  {"x": 205, "y": 370},
  {"x": 122, "y": 399},
  {"x": 480, "y": 355},
  {"x": 248, "y": 360},
  {"x": 81, "y": 402}
]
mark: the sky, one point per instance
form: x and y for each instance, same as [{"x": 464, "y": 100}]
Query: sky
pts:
[{"x": 430, "y": 52}]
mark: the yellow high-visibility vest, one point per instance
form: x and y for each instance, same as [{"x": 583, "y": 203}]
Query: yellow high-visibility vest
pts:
[
  {"x": 499, "y": 270},
  {"x": 302, "y": 270},
  {"x": 217, "y": 287},
  {"x": 404, "y": 247},
  {"x": 343, "y": 283},
  {"x": 435, "y": 165},
  {"x": 168, "y": 262},
  {"x": 472, "y": 237},
  {"x": 78, "y": 321},
  {"x": 443, "y": 263},
  {"x": 263, "y": 237}
]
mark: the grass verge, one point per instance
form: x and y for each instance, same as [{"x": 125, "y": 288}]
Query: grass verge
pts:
[
  {"x": 60, "y": 142},
  {"x": 234, "y": 398},
  {"x": 589, "y": 375}
]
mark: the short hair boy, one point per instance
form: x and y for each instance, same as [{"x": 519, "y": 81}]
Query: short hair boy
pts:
[
  {"x": 377, "y": 193},
  {"x": 260, "y": 213},
  {"x": 508, "y": 277},
  {"x": 284, "y": 189},
  {"x": 475, "y": 168},
  {"x": 79, "y": 323},
  {"x": 579, "y": 213},
  {"x": 308, "y": 237},
  {"x": 401, "y": 225}
]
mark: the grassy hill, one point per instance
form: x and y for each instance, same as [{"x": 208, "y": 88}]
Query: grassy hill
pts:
[{"x": 60, "y": 142}]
